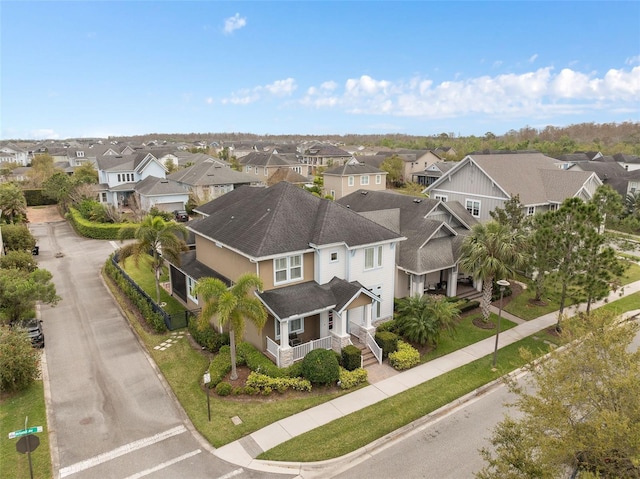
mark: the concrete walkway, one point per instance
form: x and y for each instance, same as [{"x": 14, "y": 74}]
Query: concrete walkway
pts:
[{"x": 244, "y": 451}]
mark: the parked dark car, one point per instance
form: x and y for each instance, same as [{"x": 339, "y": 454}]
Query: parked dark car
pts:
[
  {"x": 33, "y": 327},
  {"x": 180, "y": 216}
]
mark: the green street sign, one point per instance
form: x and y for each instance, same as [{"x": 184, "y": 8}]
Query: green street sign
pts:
[{"x": 24, "y": 432}]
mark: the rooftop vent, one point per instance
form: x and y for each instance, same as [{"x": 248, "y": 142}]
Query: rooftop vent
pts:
[
  {"x": 417, "y": 200},
  {"x": 364, "y": 192}
]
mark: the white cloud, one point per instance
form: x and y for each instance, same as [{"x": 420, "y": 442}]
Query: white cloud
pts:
[
  {"x": 208, "y": 101},
  {"x": 234, "y": 23},
  {"x": 535, "y": 94},
  {"x": 633, "y": 60},
  {"x": 44, "y": 134},
  {"x": 278, "y": 88},
  {"x": 533, "y": 58}
]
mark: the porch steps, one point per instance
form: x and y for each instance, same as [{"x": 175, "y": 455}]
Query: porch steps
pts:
[
  {"x": 470, "y": 295},
  {"x": 367, "y": 356}
]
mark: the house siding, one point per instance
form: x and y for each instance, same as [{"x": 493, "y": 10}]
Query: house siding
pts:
[
  {"x": 226, "y": 262},
  {"x": 267, "y": 277},
  {"x": 383, "y": 276}
]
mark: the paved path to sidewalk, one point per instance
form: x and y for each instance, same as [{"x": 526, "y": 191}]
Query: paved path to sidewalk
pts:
[{"x": 244, "y": 451}]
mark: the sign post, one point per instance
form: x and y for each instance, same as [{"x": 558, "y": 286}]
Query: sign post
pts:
[
  {"x": 27, "y": 442},
  {"x": 206, "y": 379}
]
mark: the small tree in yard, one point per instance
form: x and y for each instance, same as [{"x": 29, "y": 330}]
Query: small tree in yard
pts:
[
  {"x": 17, "y": 237},
  {"x": 580, "y": 413},
  {"x": 18, "y": 360},
  {"x": 19, "y": 291},
  {"x": 21, "y": 260},
  {"x": 422, "y": 319},
  {"x": 13, "y": 205}
]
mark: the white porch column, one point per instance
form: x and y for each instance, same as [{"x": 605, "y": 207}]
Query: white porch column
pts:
[
  {"x": 368, "y": 308},
  {"x": 284, "y": 334},
  {"x": 418, "y": 281},
  {"x": 452, "y": 282}
]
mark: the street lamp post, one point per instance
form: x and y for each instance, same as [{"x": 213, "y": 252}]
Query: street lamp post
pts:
[{"x": 503, "y": 283}]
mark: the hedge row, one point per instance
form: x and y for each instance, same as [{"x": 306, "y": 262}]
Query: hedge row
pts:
[
  {"x": 36, "y": 198},
  {"x": 106, "y": 231},
  {"x": 155, "y": 320},
  {"x": 208, "y": 338},
  {"x": 266, "y": 384}
]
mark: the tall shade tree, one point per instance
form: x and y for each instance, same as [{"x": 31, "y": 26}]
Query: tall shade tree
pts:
[
  {"x": 492, "y": 251},
  {"x": 579, "y": 414},
  {"x": 422, "y": 319},
  {"x": 13, "y": 205},
  {"x": 42, "y": 167},
  {"x": 394, "y": 167},
  {"x": 230, "y": 307},
  {"x": 157, "y": 237},
  {"x": 512, "y": 214},
  {"x": 19, "y": 291}
]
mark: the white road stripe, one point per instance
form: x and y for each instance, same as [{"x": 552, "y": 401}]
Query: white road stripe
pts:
[
  {"x": 164, "y": 465},
  {"x": 232, "y": 473},
  {"x": 120, "y": 451}
]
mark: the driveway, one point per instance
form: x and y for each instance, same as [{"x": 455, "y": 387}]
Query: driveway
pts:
[{"x": 110, "y": 414}]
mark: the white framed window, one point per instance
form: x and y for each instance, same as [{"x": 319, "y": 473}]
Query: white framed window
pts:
[
  {"x": 295, "y": 326},
  {"x": 531, "y": 210},
  {"x": 351, "y": 181},
  {"x": 473, "y": 207},
  {"x": 442, "y": 198},
  {"x": 553, "y": 207},
  {"x": 364, "y": 180},
  {"x": 119, "y": 180},
  {"x": 378, "y": 179},
  {"x": 287, "y": 269},
  {"x": 330, "y": 313},
  {"x": 266, "y": 172},
  {"x": 191, "y": 284},
  {"x": 333, "y": 256},
  {"x": 248, "y": 169},
  {"x": 373, "y": 257}
]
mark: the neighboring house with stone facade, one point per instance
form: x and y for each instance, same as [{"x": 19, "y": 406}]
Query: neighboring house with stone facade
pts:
[{"x": 327, "y": 272}]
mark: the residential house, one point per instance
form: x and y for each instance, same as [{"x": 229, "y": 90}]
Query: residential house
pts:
[
  {"x": 414, "y": 161},
  {"x": 628, "y": 162},
  {"x": 432, "y": 172},
  {"x": 427, "y": 262},
  {"x": 161, "y": 193},
  {"x": 343, "y": 180},
  {"x": 12, "y": 153},
  {"x": 324, "y": 156},
  {"x": 212, "y": 178},
  {"x": 118, "y": 175},
  {"x": 327, "y": 272},
  {"x": 288, "y": 175},
  {"x": 262, "y": 164},
  {"x": 625, "y": 182},
  {"x": 484, "y": 182}
]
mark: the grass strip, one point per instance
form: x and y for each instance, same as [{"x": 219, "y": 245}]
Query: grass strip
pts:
[
  {"x": 13, "y": 410},
  {"x": 346, "y": 434}
]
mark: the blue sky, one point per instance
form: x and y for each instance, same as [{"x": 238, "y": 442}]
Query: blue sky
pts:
[{"x": 100, "y": 68}]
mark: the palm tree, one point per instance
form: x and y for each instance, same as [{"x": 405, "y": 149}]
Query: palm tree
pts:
[
  {"x": 492, "y": 251},
  {"x": 156, "y": 237},
  {"x": 231, "y": 306},
  {"x": 423, "y": 318},
  {"x": 13, "y": 204}
]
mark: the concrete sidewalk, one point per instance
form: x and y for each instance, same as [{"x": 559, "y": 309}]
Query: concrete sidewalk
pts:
[{"x": 244, "y": 451}]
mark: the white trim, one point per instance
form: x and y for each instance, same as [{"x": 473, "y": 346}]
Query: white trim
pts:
[
  {"x": 473, "y": 201},
  {"x": 288, "y": 269},
  {"x": 362, "y": 182}
]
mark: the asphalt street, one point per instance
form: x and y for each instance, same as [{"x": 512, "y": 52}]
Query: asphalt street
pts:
[{"x": 110, "y": 413}]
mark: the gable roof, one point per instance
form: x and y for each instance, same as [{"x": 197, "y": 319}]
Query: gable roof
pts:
[
  {"x": 135, "y": 161},
  {"x": 262, "y": 158},
  {"x": 434, "y": 229},
  {"x": 154, "y": 186},
  {"x": 288, "y": 175},
  {"x": 210, "y": 172},
  {"x": 349, "y": 169},
  {"x": 261, "y": 222},
  {"x": 537, "y": 178}
]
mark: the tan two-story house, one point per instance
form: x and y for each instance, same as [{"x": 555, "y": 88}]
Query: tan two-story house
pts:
[{"x": 327, "y": 272}]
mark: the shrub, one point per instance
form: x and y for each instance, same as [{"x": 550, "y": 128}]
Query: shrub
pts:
[
  {"x": 208, "y": 338},
  {"x": 93, "y": 230},
  {"x": 351, "y": 379},
  {"x": 391, "y": 325},
  {"x": 405, "y": 357},
  {"x": 351, "y": 357},
  {"x": 223, "y": 389},
  {"x": 468, "y": 306},
  {"x": 17, "y": 237},
  {"x": 250, "y": 390},
  {"x": 18, "y": 360},
  {"x": 388, "y": 341},
  {"x": 256, "y": 361},
  {"x": 220, "y": 366},
  {"x": 320, "y": 366},
  {"x": 263, "y": 382},
  {"x": 36, "y": 198}
]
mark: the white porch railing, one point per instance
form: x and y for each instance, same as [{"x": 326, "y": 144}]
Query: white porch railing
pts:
[
  {"x": 375, "y": 349},
  {"x": 273, "y": 348},
  {"x": 302, "y": 350}
]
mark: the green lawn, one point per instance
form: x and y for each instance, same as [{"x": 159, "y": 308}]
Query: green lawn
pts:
[
  {"x": 347, "y": 434},
  {"x": 13, "y": 410}
]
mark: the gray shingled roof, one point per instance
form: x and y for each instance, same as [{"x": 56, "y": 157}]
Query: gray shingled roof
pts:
[
  {"x": 208, "y": 172},
  {"x": 154, "y": 186},
  {"x": 353, "y": 169},
  {"x": 529, "y": 174},
  {"x": 262, "y": 158},
  {"x": 284, "y": 218},
  {"x": 434, "y": 230},
  {"x": 304, "y": 298}
]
